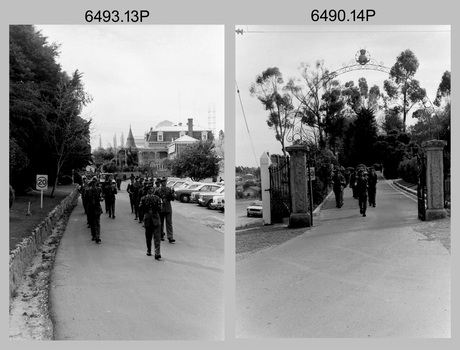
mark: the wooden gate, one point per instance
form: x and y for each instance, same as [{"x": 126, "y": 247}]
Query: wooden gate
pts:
[
  {"x": 421, "y": 186},
  {"x": 280, "y": 190}
]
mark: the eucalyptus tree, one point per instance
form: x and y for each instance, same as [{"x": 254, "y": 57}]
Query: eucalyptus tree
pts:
[
  {"x": 270, "y": 90},
  {"x": 401, "y": 87},
  {"x": 308, "y": 91}
]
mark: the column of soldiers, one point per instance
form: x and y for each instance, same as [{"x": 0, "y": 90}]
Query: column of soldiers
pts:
[
  {"x": 363, "y": 182},
  {"x": 93, "y": 193},
  {"x": 150, "y": 204}
]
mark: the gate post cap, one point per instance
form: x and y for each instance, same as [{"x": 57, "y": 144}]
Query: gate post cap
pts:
[{"x": 433, "y": 144}]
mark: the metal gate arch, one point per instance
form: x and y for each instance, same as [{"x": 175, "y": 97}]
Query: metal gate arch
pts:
[{"x": 280, "y": 190}]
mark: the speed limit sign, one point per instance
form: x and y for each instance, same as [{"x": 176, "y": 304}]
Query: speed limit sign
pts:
[{"x": 42, "y": 182}]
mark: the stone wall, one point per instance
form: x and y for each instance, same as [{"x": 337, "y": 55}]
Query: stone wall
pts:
[{"x": 23, "y": 254}]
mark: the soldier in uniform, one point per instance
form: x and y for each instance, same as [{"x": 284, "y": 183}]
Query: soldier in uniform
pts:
[
  {"x": 110, "y": 192},
  {"x": 338, "y": 181},
  {"x": 83, "y": 188},
  {"x": 136, "y": 198},
  {"x": 130, "y": 190},
  {"x": 94, "y": 197},
  {"x": 372, "y": 183},
  {"x": 361, "y": 190},
  {"x": 151, "y": 206},
  {"x": 167, "y": 195},
  {"x": 353, "y": 184},
  {"x": 142, "y": 191}
]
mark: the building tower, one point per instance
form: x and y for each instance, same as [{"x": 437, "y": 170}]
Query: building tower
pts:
[{"x": 130, "y": 140}]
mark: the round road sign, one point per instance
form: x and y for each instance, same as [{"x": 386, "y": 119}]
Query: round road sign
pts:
[{"x": 42, "y": 182}]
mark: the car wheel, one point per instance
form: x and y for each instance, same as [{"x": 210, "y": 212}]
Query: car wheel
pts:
[
  {"x": 209, "y": 204},
  {"x": 248, "y": 215},
  {"x": 184, "y": 198}
]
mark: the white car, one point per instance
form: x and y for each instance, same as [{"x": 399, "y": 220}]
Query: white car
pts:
[
  {"x": 205, "y": 198},
  {"x": 218, "y": 202},
  {"x": 255, "y": 209},
  {"x": 184, "y": 194}
]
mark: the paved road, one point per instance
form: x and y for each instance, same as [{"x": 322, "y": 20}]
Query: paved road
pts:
[
  {"x": 349, "y": 276},
  {"x": 114, "y": 291}
]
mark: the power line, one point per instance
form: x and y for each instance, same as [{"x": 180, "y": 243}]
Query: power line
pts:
[
  {"x": 246, "y": 122},
  {"x": 361, "y": 30}
]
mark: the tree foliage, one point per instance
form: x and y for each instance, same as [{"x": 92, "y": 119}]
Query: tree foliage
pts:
[
  {"x": 443, "y": 89},
  {"x": 390, "y": 150},
  {"x": 359, "y": 139},
  {"x": 197, "y": 161},
  {"x": 401, "y": 87},
  {"x": 268, "y": 88},
  {"x": 308, "y": 92},
  {"x": 47, "y": 132}
]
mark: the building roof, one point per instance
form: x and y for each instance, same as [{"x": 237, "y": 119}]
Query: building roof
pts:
[
  {"x": 178, "y": 128},
  {"x": 130, "y": 143},
  {"x": 185, "y": 139}
]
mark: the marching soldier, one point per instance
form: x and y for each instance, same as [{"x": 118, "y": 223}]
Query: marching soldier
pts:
[
  {"x": 94, "y": 197},
  {"x": 372, "y": 182},
  {"x": 353, "y": 183},
  {"x": 167, "y": 195},
  {"x": 136, "y": 198},
  {"x": 339, "y": 183},
  {"x": 110, "y": 192},
  {"x": 361, "y": 190},
  {"x": 83, "y": 188},
  {"x": 151, "y": 205},
  {"x": 142, "y": 191},
  {"x": 130, "y": 190}
]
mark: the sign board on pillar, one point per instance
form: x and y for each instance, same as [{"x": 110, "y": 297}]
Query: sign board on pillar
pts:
[
  {"x": 311, "y": 170},
  {"x": 42, "y": 182}
]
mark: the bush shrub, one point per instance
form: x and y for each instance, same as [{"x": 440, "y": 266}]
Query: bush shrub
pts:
[
  {"x": 408, "y": 170},
  {"x": 323, "y": 161}
]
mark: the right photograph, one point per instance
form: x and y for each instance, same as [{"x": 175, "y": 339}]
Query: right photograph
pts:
[{"x": 342, "y": 174}]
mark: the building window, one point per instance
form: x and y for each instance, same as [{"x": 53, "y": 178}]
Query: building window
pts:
[
  {"x": 160, "y": 137},
  {"x": 204, "y": 136}
]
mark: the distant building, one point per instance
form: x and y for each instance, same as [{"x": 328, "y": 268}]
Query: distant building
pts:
[{"x": 166, "y": 141}]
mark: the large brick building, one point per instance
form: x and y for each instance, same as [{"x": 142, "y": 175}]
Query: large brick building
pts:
[{"x": 166, "y": 141}]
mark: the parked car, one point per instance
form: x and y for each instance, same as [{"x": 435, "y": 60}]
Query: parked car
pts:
[
  {"x": 205, "y": 198},
  {"x": 218, "y": 202},
  {"x": 182, "y": 184},
  {"x": 255, "y": 209},
  {"x": 171, "y": 182},
  {"x": 183, "y": 194}
]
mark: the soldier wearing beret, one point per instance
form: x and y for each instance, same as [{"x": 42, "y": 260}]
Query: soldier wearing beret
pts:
[
  {"x": 167, "y": 195},
  {"x": 110, "y": 192},
  {"x": 151, "y": 205},
  {"x": 94, "y": 197},
  {"x": 372, "y": 182},
  {"x": 142, "y": 191},
  {"x": 338, "y": 184},
  {"x": 361, "y": 189}
]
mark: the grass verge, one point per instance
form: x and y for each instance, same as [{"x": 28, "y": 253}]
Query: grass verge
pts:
[{"x": 26, "y": 212}]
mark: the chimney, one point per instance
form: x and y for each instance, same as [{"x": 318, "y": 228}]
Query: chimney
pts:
[{"x": 190, "y": 127}]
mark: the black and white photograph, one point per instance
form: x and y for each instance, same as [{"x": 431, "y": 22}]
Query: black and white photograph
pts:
[
  {"x": 343, "y": 178},
  {"x": 237, "y": 174},
  {"x": 116, "y": 148}
]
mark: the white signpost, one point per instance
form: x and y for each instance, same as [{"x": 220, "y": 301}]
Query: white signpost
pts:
[{"x": 42, "y": 184}]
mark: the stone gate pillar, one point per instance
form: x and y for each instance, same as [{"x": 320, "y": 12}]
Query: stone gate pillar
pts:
[
  {"x": 265, "y": 187},
  {"x": 434, "y": 179},
  {"x": 300, "y": 217}
]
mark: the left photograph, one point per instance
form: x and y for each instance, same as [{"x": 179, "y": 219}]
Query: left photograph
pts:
[{"x": 116, "y": 182}]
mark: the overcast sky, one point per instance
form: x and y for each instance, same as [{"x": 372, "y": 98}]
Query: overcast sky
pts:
[
  {"x": 286, "y": 47},
  {"x": 142, "y": 75}
]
